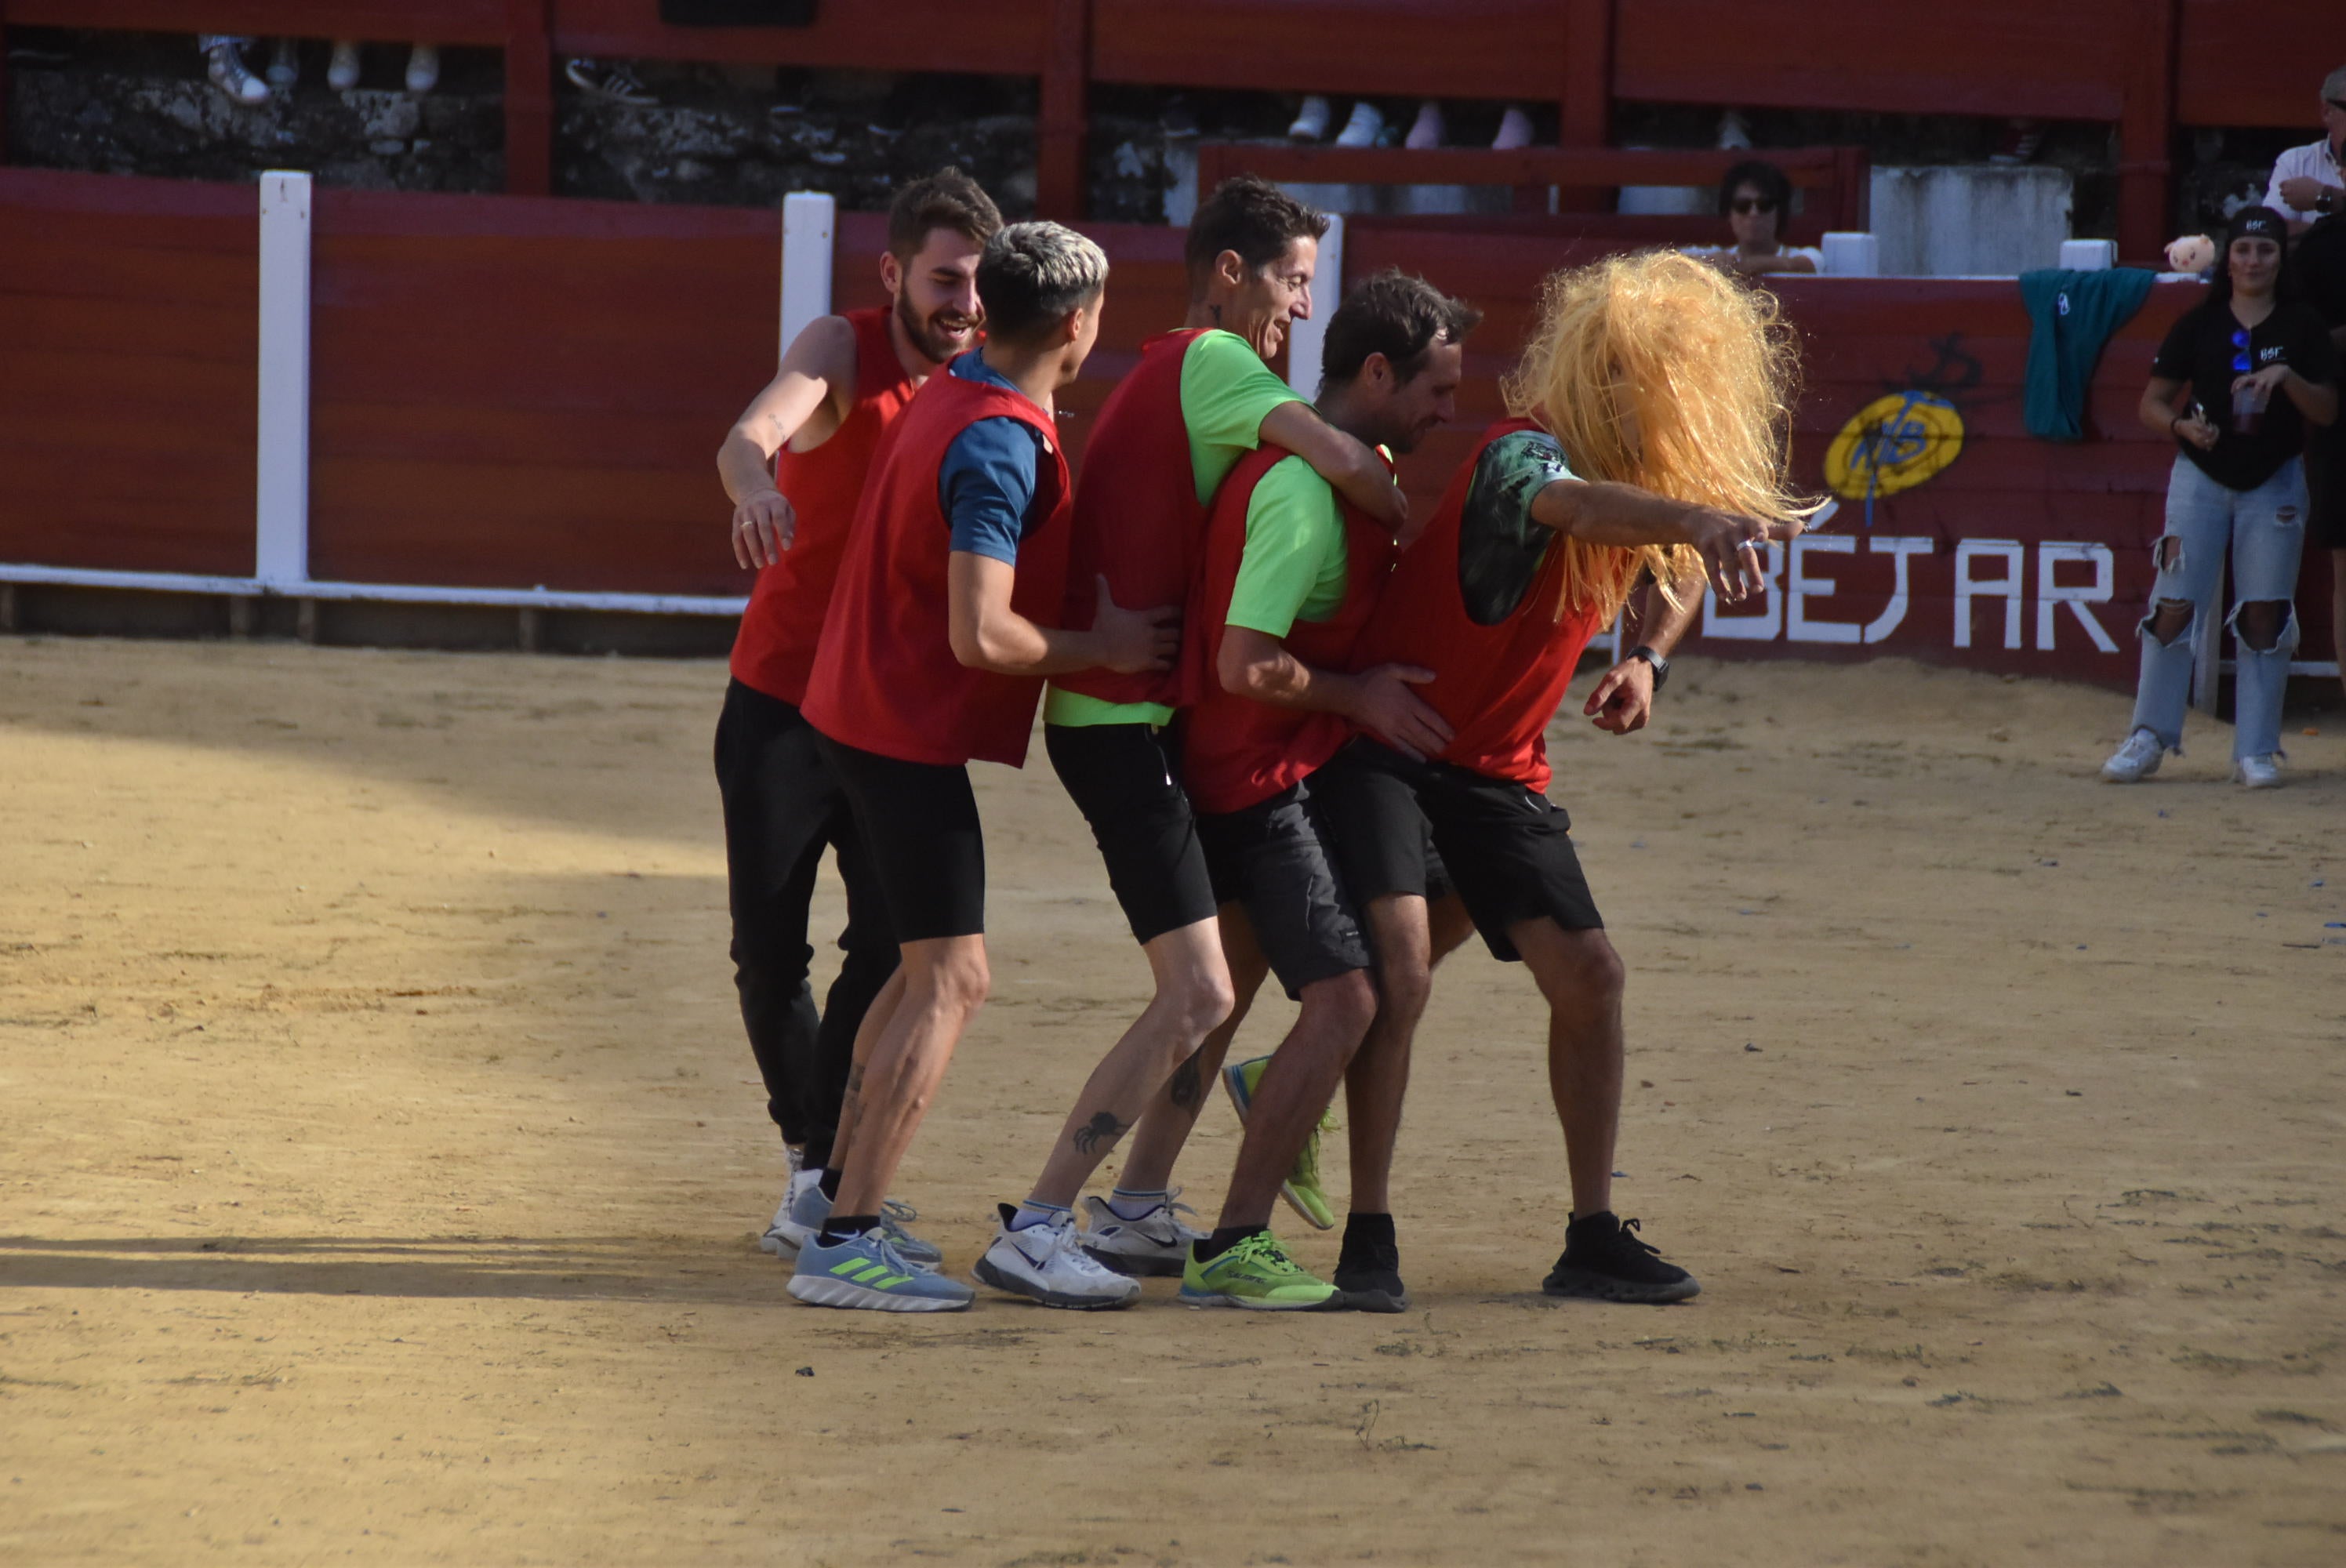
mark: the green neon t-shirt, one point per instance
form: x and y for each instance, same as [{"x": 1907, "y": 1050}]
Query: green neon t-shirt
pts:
[
  {"x": 1295, "y": 561},
  {"x": 1227, "y": 391}
]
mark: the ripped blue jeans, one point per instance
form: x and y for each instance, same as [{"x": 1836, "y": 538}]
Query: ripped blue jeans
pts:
[{"x": 2265, "y": 529}]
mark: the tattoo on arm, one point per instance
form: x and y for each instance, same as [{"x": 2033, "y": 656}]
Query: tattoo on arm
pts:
[
  {"x": 1185, "y": 1090},
  {"x": 1099, "y": 1133}
]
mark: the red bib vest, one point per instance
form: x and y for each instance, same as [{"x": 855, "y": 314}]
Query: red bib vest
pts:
[
  {"x": 1497, "y": 685},
  {"x": 1136, "y": 518},
  {"x": 1237, "y": 751},
  {"x": 774, "y": 649},
  {"x": 885, "y": 678}
]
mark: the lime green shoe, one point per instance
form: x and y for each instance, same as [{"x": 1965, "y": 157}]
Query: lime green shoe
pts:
[
  {"x": 1301, "y": 1188},
  {"x": 1257, "y": 1274}
]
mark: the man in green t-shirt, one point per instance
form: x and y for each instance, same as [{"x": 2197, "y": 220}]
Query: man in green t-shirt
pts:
[{"x": 1200, "y": 400}]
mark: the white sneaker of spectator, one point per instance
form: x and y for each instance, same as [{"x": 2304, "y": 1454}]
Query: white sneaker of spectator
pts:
[
  {"x": 613, "y": 84},
  {"x": 1310, "y": 121},
  {"x": 1734, "y": 132},
  {"x": 422, "y": 68},
  {"x": 2260, "y": 772},
  {"x": 227, "y": 69},
  {"x": 284, "y": 63},
  {"x": 2136, "y": 760},
  {"x": 1428, "y": 130},
  {"x": 1515, "y": 130},
  {"x": 1367, "y": 124},
  {"x": 343, "y": 70}
]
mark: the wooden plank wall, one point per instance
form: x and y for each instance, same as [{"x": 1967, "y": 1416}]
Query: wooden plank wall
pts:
[
  {"x": 127, "y": 351},
  {"x": 1506, "y": 49}
]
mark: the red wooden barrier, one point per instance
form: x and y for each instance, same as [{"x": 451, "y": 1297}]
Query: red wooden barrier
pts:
[{"x": 127, "y": 380}]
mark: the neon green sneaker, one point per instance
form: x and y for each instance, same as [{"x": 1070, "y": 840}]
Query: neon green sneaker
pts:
[
  {"x": 1301, "y": 1188},
  {"x": 1257, "y": 1274}
]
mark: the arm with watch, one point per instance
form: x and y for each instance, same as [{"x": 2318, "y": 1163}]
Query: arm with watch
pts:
[{"x": 1624, "y": 698}]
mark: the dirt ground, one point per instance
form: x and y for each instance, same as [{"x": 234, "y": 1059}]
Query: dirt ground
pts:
[{"x": 382, "y": 1160}]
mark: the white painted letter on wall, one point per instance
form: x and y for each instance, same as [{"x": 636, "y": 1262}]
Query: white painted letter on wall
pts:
[
  {"x": 1757, "y": 629},
  {"x": 1898, "y": 547},
  {"x": 1798, "y": 625},
  {"x": 2008, "y": 587},
  {"x": 2051, "y": 595}
]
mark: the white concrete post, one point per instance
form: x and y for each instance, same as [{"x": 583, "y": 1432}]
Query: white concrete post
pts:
[
  {"x": 1851, "y": 254},
  {"x": 809, "y": 220},
  {"x": 281, "y": 550},
  {"x": 2089, "y": 255},
  {"x": 1311, "y": 334}
]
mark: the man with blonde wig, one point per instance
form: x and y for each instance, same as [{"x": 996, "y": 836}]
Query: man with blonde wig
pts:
[{"x": 1643, "y": 453}]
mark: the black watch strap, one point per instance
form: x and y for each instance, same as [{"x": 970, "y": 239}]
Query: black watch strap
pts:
[{"x": 1661, "y": 666}]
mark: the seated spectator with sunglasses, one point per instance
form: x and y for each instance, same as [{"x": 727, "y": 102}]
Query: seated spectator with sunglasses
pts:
[
  {"x": 1755, "y": 197},
  {"x": 2260, "y": 368},
  {"x": 2307, "y": 184}
]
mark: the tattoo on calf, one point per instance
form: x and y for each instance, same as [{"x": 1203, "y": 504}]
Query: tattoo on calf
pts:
[
  {"x": 1186, "y": 1090},
  {"x": 1100, "y": 1133}
]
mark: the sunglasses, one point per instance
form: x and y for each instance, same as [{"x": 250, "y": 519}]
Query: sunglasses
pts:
[
  {"x": 2240, "y": 351},
  {"x": 2338, "y": 104},
  {"x": 1750, "y": 204}
]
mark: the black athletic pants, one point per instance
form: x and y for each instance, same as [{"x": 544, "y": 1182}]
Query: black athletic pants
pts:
[{"x": 783, "y": 805}]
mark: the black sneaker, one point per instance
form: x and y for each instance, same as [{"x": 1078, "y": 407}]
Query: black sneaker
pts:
[
  {"x": 1367, "y": 1270},
  {"x": 1602, "y": 1261}
]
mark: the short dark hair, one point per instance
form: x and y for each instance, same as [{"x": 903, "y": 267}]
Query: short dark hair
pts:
[
  {"x": 1396, "y": 315},
  {"x": 1774, "y": 185},
  {"x": 945, "y": 199},
  {"x": 1250, "y": 215},
  {"x": 1033, "y": 274}
]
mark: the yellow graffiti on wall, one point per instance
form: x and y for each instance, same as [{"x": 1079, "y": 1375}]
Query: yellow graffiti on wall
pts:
[{"x": 1893, "y": 444}]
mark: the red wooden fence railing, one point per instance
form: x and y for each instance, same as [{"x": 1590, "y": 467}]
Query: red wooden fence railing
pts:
[{"x": 2144, "y": 65}]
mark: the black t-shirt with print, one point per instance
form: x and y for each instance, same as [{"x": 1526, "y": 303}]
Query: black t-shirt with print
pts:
[{"x": 2199, "y": 350}]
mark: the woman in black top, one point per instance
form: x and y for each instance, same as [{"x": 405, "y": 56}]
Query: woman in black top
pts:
[{"x": 2260, "y": 366}]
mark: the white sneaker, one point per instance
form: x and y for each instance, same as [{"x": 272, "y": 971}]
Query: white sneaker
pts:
[
  {"x": 423, "y": 69},
  {"x": 1157, "y": 1244},
  {"x": 2136, "y": 760},
  {"x": 1427, "y": 131},
  {"x": 2259, "y": 772},
  {"x": 1734, "y": 132},
  {"x": 1310, "y": 121},
  {"x": 1515, "y": 130},
  {"x": 1047, "y": 1263},
  {"x": 343, "y": 70},
  {"x": 225, "y": 67},
  {"x": 284, "y": 64},
  {"x": 783, "y": 1237},
  {"x": 1367, "y": 124}
]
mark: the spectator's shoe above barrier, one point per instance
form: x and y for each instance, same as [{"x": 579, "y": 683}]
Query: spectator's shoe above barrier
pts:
[
  {"x": 1367, "y": 124},
  {"x": 2259, "y": 772},
  {"x": 423, "y": 69},
  {"x": 1427, "y": 129},
  {"x": 225, "y": 63},
  {"x": 1515, "y": 130},
  {"x": 343, "y": 70},
  {"x": 1311, "y": 120},
  {"x": 1178, "y": 119},
  {"x": 1734, "y": 131},
  {"x": 284, "y": 63},
  {"x": 2136, "y": 760},
  {"x": 2021, "y": 141},
  {"x": 612, "y": 83}
]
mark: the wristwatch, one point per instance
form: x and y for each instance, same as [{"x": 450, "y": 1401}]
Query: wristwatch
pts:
[
  {"x": 1661, "y": 666},
  {"x": 2325, "y": 198}
]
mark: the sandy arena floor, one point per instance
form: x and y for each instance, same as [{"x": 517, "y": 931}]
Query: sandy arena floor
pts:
[{"x": 383, "y": 1161}]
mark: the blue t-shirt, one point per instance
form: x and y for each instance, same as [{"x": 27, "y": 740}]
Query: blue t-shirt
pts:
[{"x": 988, "y": 481}]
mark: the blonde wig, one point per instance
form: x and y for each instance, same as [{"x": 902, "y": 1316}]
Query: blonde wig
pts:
[{"x": 1659, "y": 371}]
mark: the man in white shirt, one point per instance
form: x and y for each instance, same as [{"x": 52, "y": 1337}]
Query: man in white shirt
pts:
[{"x": 2306, "y": 183}]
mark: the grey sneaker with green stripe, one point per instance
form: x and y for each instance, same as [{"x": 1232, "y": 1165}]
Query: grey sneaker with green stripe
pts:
[{"x": 866, "y": 1272}]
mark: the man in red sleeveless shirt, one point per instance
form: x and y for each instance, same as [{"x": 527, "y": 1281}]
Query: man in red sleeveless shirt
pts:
[
  {"x": 795, "y": 466},
  {"x": 1288, "y": 576},
  {"x": 941, "y": 631},
  {"x": 1200, "y": 400},
  {"x": 1538, "y": 540}
]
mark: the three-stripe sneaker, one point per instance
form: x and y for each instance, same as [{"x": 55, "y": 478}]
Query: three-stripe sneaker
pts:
[
  {"x": 1046, "y": 1262},
  {"x": 865, "y": 1271},
  {"x": 1302, "y": 1189},
  {"x": 1257, "y": 1274}
]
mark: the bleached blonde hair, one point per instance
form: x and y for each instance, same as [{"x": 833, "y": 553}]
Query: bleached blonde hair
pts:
[{"x": 1706, "y": 369}]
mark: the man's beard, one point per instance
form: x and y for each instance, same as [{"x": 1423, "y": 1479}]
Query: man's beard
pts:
[{"x": 933, "y": 345}]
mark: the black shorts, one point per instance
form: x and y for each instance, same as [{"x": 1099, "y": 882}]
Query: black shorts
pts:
[
  {"x": 1126, "y": 779},
  {"x": 1508, "y": 851},
  {"x": 919, "y": 822},
  {"x": 2325, "y": 484},
  {"x": 1273, "y": 860}
]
